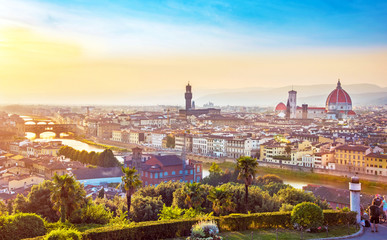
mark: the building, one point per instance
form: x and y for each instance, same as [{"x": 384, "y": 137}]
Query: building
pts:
[
  {"x": 376, "y": 164},
  {"x": 291, "y": 105},
  {"x": 169, "y": 168},
  {"x": 339, "y": 104},
  {"x": 351, "y": 158},
  {"x": 105, "y": 130},
  {"x": 191, "y": 111}
]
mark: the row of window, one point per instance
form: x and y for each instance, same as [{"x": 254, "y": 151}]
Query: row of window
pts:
[
  {"x": 371, "y": 159},
  {"x": 348, "y": 151},
  {"x": 165, "y": 174}
]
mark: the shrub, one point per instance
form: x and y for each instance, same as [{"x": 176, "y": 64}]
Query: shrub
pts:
[
  {"x": 64, "y": 234},
  {"x": 179, "y": 228},
  {"x": 143, "y": 230},
  {"x": 241, "y": 222},
  {"x": 286, "y": 207},
  {"x": 307, "y": 215},
  {"x": 91, "y": 214},
  {"x": 145, "y": 208},
  {"x": 332, "y": 217},
  {"x": 21, "y": 225},
  {"x": 205, "y": 230}
]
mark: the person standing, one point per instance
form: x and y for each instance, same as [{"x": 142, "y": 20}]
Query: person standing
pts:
[
  {"x": 374, "y": 213},
  {"x": 385, "y": 207}
]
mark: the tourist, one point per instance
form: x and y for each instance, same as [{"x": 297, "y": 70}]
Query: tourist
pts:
[
  {"x": 385, "y": 207},
  {"x": 374, "y": 213},
  {"x": 378, "y": 200}
]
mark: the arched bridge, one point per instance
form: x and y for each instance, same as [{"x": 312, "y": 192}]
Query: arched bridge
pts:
[{"x": 55, "y": 128}]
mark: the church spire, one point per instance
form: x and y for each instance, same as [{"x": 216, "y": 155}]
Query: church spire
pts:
[{"x": 338, "y": 84}]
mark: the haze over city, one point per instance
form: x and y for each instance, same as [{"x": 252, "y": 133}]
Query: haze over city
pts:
[{"x": 131, "y": 52}]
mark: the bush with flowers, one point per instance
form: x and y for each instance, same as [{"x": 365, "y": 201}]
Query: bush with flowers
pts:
[{"x": 205, "y": 230}]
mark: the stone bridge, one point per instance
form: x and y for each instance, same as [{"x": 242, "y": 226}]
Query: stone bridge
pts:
[{"x": 55, "y": 128}]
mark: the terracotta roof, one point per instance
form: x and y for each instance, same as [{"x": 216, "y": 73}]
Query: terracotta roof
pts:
[
  {"x": 280, "y": 107},
  {"x": 338, "y": 96},
  {"x": 92, "y": 173}
]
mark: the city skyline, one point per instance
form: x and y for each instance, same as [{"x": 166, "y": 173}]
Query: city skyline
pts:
[{"x": 77, "y": 52}]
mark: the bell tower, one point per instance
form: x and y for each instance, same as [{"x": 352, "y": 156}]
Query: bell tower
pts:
[{"x": 188, "y": 97}]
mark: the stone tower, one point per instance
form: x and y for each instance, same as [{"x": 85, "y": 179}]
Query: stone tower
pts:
[
  {"x": 137, "y": 159},
  {"x": 188, "y": 97},
  {"x": 292, "y": 103}
]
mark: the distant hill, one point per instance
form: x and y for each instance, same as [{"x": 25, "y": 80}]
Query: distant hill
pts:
[{"x": 313, "y": 95}]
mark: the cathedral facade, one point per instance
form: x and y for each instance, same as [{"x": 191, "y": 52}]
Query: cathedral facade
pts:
[{"x": 338, "y": 106}]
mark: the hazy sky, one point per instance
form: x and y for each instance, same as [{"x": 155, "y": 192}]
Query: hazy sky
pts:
[{"x": 101, "y": 51}]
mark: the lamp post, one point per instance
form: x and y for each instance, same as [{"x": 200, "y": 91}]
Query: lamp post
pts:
[{"x": 354, "y": 188}]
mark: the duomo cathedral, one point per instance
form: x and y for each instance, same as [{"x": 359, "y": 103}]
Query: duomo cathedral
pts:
[{"x": 337, "y": 106}]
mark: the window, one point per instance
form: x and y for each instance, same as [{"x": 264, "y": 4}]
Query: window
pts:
[
  {"x": 173, "y": 172},
  {"x": 181, "y": 172},
  {"x": 151, "y": 175},
  {"x": 161, "y": 175},
  {"x": 191, "y": 172},
  {"x": 191, "y": 181},
  {"x": 165, "y": 174},
  {"x": 186, "y": 171},
  {"x": 198, "y": 179},
  {"x": 146, "y": 174},
  {"x": 156, "y": 175}
]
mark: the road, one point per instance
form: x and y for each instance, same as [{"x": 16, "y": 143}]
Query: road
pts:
[{"x": 381, "y": 235}]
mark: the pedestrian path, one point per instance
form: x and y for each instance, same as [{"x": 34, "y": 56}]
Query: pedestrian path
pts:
[{"x": 381, "y": 235}]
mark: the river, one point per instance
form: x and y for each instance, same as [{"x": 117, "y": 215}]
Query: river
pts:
[{"x": 293, "y": 183}]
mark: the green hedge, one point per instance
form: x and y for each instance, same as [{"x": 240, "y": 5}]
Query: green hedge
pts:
[
  {"x": 241, "y": 222},
  {"x": 143, "y": 230},
  {"x": 233, "y": 222},
  {"x": 21, "y": 225},
  {"x": 333, "y": 217}
]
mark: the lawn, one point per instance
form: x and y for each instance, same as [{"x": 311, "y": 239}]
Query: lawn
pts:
[{"x": 269, "y": 234}]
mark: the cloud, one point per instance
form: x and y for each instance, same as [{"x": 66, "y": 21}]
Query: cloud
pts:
[{"x": 123, "y": 34}]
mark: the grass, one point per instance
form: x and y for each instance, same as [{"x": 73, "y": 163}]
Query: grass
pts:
[{"x": 269, "y": 234}]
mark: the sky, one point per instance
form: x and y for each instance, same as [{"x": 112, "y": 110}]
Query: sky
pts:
[{"x": 122, "y": 51}]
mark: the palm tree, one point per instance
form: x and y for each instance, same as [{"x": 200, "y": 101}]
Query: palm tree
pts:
[
  {"x": 247, "y": 167},
  {"x": 193, "y": 195},
  {"x": 131, "y": 182},
  {"x": 66, "y": 194},
  {"x": 221, "y": 200}
]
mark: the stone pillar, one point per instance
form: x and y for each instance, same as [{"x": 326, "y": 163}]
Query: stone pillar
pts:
[{"x": 354, "y": 188}]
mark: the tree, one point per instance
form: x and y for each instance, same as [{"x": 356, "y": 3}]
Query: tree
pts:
[
  {"x": 101, "y": 193},
  {"x": 221, "y": 201},
  {"x": 215, "y": 169},
  {"x": 3, "y": 208},
  {"x": 247, "y": 167},
  {"x": 288, "y": 149},
  {"x": 193, "y": 195},
  {"x": 170, "y": 141},
  {"x": 20, "y": 204},
  {"x": 145, "y": 208},
  {"x": 131, "y": 182},
  {"x": 66, "y": 194},
  {"x": 39, "y": 201},
  {"x": 273, "y": 188},
  {"x": 294, "y": 196},
  {"x": 268, "y": 178}
]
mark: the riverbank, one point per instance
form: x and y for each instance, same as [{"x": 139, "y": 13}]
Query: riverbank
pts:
[
  {"x": 368, "y": 187},
  {"x": 100, "y": 145}
]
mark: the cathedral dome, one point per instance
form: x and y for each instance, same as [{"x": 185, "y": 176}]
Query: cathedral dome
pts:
[
  {"x": 338, "y": 96},
  {"x": 280, "y": 107}
]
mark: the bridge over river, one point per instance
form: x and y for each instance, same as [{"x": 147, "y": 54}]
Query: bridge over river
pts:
[{"x": 39, "y": 126}]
